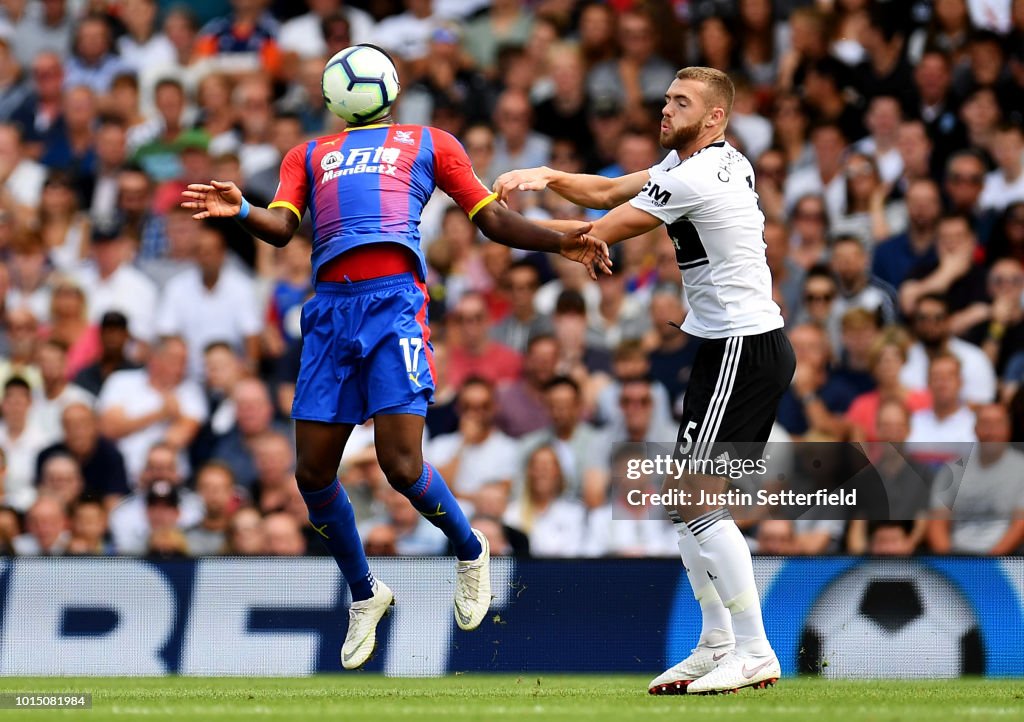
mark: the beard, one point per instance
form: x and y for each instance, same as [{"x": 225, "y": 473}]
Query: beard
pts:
[{"x": 680, "y": 137}]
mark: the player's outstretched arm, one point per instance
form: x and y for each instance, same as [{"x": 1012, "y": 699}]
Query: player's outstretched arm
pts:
[
  {"x": 624, "y": 222},
  {"x": 223, "y": 199},
  {"x": 510, "y": 229},
  {"x": 589, "y": 191}
]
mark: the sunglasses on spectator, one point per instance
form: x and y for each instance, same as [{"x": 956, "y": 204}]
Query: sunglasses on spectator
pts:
[
  {"x": 635, "y": 400},
  {"x": 974, "y": 180},
  {"x": 819, "y": 297},
  {"x": 930, "y": 317},
  {"x": 1007, "y": 280}
]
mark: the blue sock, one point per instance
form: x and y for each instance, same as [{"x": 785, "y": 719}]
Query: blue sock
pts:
[
  {"x": 432, "y": 498},
  {"x": 332, "y": 516}
]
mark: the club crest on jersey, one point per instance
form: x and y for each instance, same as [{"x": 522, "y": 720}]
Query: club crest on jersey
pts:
[
  {"x": 404, "y": 136},
  {"x": 380, "y": 160},
  {"x": 331, "y": 160}
]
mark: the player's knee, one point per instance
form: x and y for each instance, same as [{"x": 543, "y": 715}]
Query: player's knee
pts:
[
  {"x": 311, "y": 478},
  {"x": 402, "y": 469}
]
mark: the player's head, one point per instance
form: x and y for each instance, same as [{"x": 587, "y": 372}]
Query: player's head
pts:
[{"x": 697, "y": 103}]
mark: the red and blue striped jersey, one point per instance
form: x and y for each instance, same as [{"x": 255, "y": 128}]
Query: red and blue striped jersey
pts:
[{"x": 369, "y": 185}]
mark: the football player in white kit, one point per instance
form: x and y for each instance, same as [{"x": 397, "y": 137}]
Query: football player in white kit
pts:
[{"x": 704, "y": 193}]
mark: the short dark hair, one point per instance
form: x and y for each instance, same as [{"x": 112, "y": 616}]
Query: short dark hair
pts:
[
  {"x": 562, "y": 381},
  {"x": 17, "y": 382}
]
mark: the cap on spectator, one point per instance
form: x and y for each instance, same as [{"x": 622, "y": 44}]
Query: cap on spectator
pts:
[
  {"x": 114, "y": 319},
  {"x": 446, "y": 34},
  {"x": 162, "y": 492},
  {"x": 105, "y": 232},
  {"x": 194, "y": 139},
  {"x": 605, "y": 107}
]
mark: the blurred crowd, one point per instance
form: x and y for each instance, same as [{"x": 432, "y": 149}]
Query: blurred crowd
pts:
[{"x": 147, "y": 361}]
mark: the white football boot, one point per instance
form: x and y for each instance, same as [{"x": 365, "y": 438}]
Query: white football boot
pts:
[
  {"x": 361, "y": 638},
  {"x": 473, "y": 587},
  {"x": 737, "y": 671},
  {"x": 704, "y": 658}
]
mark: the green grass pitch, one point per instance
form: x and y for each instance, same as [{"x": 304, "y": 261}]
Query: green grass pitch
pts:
[{"x": 468, "y": 698}]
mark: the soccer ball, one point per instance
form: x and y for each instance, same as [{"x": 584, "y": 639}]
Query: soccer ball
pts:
[
  {"x": 891, "y": 619},
  {"x": 360, "y": 84}
]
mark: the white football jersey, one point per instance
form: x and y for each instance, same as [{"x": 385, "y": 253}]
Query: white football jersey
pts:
[{"x": 708, "y": 203}]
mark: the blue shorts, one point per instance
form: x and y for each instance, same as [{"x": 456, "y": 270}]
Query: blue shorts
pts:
[{"x": 365, "y": 351}]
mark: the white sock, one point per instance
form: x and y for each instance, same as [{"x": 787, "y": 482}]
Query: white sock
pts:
[
  {"x": 726, "y": 558},
  {"x": 716, "y": 622}
]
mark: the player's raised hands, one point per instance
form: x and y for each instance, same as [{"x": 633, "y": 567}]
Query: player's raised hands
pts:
[
  {"x": 219, "y": 199},
  {"x": 577, "y": 245},
  {"x": 527, "y": 179}
]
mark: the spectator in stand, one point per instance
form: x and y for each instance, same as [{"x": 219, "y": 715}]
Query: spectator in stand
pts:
[
  {"x": 546, "y": 512},
  {"x": 304, "y": 36},
  {"x": 888, "y": 355},
  {"x": 64, "y": 229},
  {"x": 70, "y": 328},
  {"x": 1000, "y": 328},
  {"x": 787, "y": 275},
  {"x": 823, "y": 93},
  {"x": 931, "y": 326},
  {"x": 954, "y": 275},
  {"x": 491, "y": 504},
  {"x": 809, "y": 238},
  {"x": 253, "y": 412},
  {"x": 213, "y": 302},
  {"x": 143, "y": 45},
  {"x": 29, "y": 278},
  {"x": 101, "y": 463},
  {"x": 631, "y": 361},
  {"x": 61, "y": 478},
  {"x": 860, "y": 330},
  {"x": 409, "y": 33},
  {"x": 506, "y": 23},
  {"x": 21, "y": 440},
  {"x": 576, "y": 442},
  {"x": 672, "y": 350},
  {"x": 38, "y": 118},
  {"x": 520, "y": 403},
  {"x": 867, "y": 214},
  {"x": 916, "y": 152},
  {"x": 283, "y": 536},
  {"x": 142, "y": 407},
  {"x": 808, "y": 34},
  {"x": 113, "y": 284},
  {"x": 153, "y": 145},
  {"x": 895, "y": 258},
  {"x": 478, "y": 453},
  {"x": 1008, "y": 239},
  {"x": 246, "y": 534},
  {"x": 1005, "y": 184},
  {"x": 22, "y": 341},
  {"x": 814, "y": 405},
  {"x": 113, "y": 353},
  {"x": 46, "y": 530},
  {"x": 55, "y": 394},
  {"x": 885, "y": 70},
  {"x": 242, "y": 41},
  {"x": 93, "y": 63},
  {"x": 88, "y": 529},
  {"x": 215, "y": 485},
  {"x": 523, "y": 322},
  {"x": 516, "y": 145},
  {"x": 414, "y": 535},
  {"x": 907, "y": 483},
  {"x": 856, "y": 285},
  {"x": 963, "y": 184},
  {"x": 471, "y": 352},
  {"x": 978, "y": 508},
  {"x": 946, "y": 430},
  {"x": 273, "y": 488},
  {"x": 890, "y": 538},
  {"x": 129, "y": 523},
  {"x": 564, "y": 114},
  {"x": 825, "y": 176}
]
